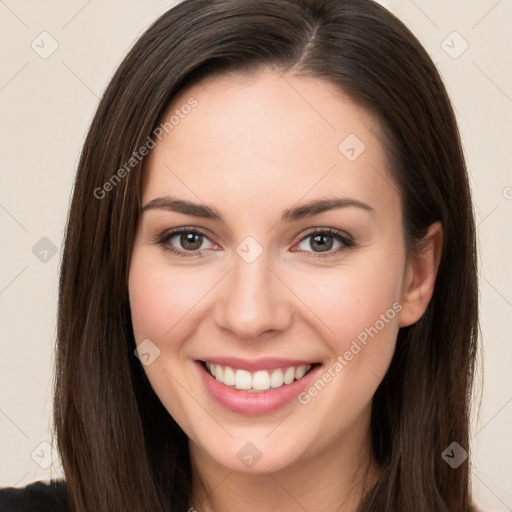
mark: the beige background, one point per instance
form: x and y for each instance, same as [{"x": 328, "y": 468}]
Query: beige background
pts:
[{"x": 47, "y": 104}]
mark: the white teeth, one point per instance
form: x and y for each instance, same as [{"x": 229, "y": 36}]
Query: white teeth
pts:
[
  {"x": 276, "y": 379},
  {"x": 243, "y": 379},
  {"x": 301, "y": 370},
  {"x": 218, "y": 372},
  {"x": 262, "y": 380},
  {"x": 229, "y": 376},
  {"x": 289, "y": 376}
]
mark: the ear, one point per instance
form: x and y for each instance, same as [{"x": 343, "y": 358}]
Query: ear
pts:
[{"x": 420, "y": 276}]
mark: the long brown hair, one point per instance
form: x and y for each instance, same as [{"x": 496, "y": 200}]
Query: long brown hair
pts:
[{"x": 120, "y": 448}]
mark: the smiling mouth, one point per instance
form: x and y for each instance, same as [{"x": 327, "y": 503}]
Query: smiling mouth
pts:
[{"x": 259, "y": 381}]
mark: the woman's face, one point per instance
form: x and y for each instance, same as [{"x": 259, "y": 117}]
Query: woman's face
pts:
[{"x": 265, "y": 284}]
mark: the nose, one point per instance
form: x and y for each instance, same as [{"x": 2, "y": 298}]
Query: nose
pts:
[{"x": 253, "y": 300}]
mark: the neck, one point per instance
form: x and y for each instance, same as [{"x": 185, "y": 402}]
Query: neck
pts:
[{"x": 334, "y": 479}]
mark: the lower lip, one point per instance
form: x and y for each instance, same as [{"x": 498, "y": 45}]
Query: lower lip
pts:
[{"x": 262, "y": 402}]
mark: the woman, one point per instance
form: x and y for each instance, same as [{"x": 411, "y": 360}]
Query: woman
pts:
[{"x": 268, "y": 294}]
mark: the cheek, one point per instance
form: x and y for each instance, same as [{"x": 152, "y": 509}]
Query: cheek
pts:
[
  {"x": 358, "y": 307},
  {"x": 363, "y": 313},
  {"x": 162, "y": 309},
  {"x": 161, "y": 298},
  {"x": 351, "y": 299}
]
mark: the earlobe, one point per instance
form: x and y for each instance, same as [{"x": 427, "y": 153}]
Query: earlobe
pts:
[{"x": 420, "y": 276}]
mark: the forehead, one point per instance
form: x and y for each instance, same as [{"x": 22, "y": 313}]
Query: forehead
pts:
[{"x": 268, "y": 139}]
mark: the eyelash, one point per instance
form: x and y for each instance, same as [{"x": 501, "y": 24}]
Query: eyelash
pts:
[{"x": 163, "y": 239}]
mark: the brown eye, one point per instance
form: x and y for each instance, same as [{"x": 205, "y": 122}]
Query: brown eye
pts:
[
  {"x": 186, "y": 242},
  {"x": 324, "y": 241},
  {"x": 191, "y": 241}
]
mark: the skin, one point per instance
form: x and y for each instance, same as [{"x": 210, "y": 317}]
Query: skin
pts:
[{"x": 252, "y": 147}]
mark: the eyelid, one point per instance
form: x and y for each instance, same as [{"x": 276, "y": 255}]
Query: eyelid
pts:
[
  {"x": 164, "y": 237},
  {"x": 344, "y": 238},
  {"x": 331, "y": 231}
]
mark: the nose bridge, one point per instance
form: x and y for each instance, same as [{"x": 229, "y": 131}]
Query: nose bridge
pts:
[{"x": 254, "y": 300}]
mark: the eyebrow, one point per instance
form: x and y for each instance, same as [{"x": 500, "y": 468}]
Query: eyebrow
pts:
[{"x": 289, "y": 215}]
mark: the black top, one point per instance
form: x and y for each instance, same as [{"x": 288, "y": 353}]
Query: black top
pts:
[{"x": 35, "y": 497}]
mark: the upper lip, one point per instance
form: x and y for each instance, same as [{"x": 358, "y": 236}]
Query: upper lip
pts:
[{"x": 263, "y": 363}]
